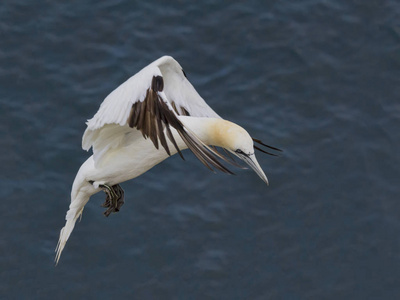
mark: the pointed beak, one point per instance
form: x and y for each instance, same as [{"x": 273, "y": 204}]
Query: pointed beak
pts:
[{"x": 253, "y": 163}]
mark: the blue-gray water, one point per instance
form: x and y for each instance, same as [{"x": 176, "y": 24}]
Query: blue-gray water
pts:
[{"x": 319, "y": 79}]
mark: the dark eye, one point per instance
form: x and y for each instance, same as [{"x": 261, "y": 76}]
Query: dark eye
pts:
[{"x": 240, "y": 152}]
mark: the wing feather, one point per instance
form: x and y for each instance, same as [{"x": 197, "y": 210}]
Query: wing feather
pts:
[
  {"x": 151, "y": 102},
  {"x": 181, "y": 92}
]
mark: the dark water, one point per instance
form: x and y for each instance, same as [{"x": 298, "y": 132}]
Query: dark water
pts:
[{"x": 319, "y": 79}]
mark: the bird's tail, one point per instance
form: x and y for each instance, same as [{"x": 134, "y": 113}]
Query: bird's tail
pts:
[{"x": 74, "y": 212}]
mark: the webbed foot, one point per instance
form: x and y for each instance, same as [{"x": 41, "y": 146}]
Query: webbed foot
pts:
[{"x": 114, "y": 198}]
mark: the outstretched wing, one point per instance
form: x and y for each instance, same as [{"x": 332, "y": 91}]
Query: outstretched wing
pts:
[
  {"x": 150, "y": 102},
  {"x": 181, "y": 94}
]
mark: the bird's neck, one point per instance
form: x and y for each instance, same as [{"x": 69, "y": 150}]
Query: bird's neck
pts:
[{"x": 212, "y": 131}]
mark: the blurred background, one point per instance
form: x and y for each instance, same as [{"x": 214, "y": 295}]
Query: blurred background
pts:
[{"x": 318, "y": 79}]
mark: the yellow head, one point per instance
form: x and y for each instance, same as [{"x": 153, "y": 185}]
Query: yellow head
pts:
[{"x": 234, "y": 138}]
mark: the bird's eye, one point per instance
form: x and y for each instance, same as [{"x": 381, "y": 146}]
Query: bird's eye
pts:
[{"x": 240, "y": 152}]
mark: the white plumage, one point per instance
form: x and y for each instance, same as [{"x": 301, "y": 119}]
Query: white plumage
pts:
[{"x": 154, "y": 109}]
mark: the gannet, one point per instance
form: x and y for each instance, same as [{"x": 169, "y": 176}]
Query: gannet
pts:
[{"x": 153, "y": 115}]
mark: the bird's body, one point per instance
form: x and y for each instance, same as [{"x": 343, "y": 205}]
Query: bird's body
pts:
[{"x": 156, "y": 108}]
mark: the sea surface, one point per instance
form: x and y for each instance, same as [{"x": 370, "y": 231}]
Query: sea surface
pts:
[{"x": 318, "y": 79}]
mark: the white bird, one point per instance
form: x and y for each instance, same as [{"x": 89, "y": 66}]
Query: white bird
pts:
[{"x": 157, "y": 106}]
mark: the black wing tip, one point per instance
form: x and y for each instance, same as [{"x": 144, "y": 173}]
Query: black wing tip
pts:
[
  {"x": 265, "y": 145},
  {"x": 266, "y": 152},
  {"x": 207, "y": 155}
]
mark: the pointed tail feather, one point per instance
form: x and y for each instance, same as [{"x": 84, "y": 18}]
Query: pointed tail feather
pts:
[
  {"x": 64, "y": 235},
  {"x": 74, "y": 212}
]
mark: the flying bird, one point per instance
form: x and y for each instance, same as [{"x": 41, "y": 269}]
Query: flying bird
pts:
[{"x": 154, "y": 114}]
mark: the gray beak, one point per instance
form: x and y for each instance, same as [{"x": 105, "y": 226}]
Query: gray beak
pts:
[{"x": 253, "y": 163}]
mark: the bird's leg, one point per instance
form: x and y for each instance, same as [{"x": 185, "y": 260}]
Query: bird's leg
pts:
[
  {"x": 121, "y": 196},
  {"x": 114, "y": 198},
  {"x": 110, "y": 195}
]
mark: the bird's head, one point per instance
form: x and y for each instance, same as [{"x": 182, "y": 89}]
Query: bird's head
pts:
[{"x": 235, "y": 139}]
